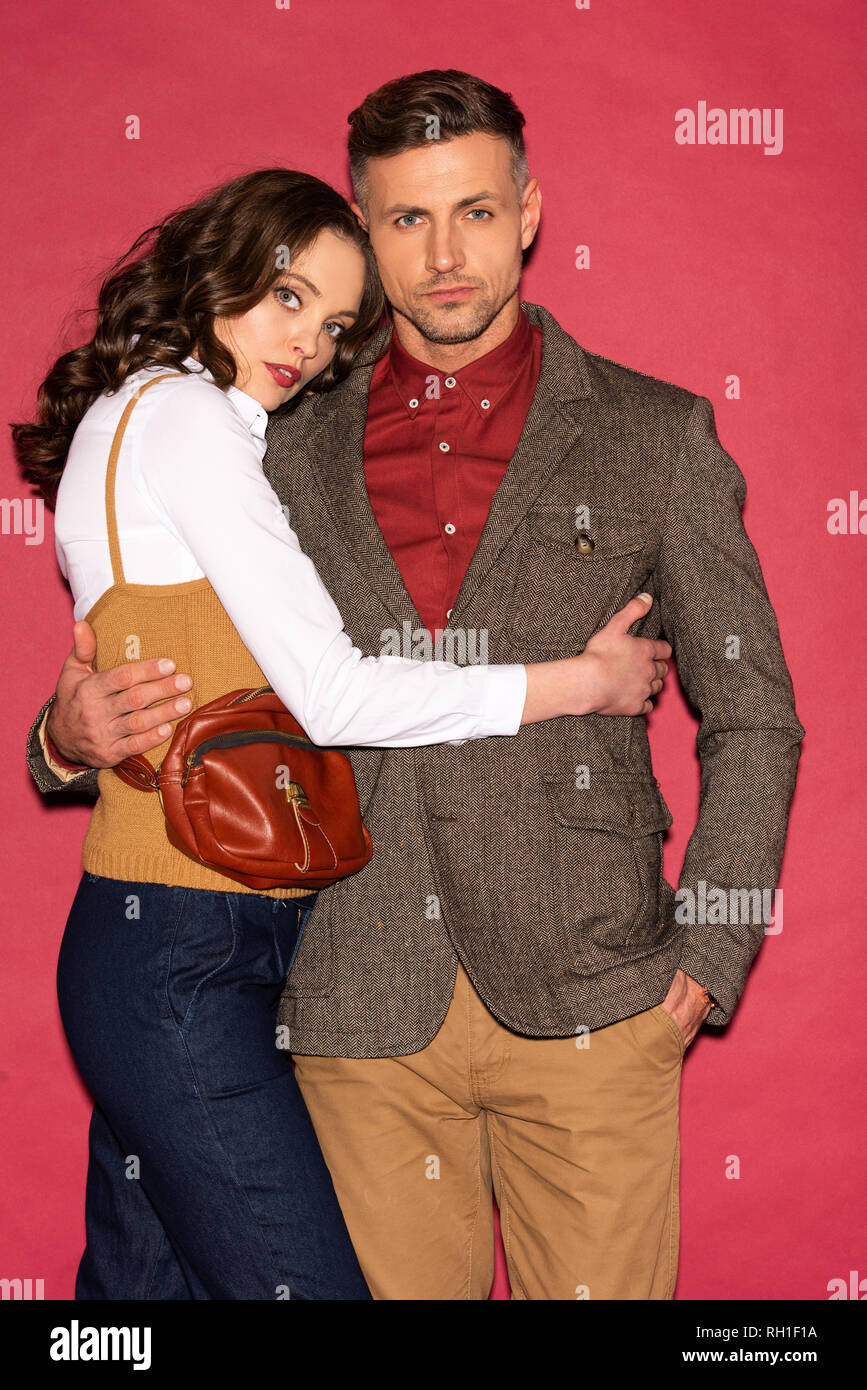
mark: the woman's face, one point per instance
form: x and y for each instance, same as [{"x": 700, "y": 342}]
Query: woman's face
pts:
[{"x": 289, "y": 337}]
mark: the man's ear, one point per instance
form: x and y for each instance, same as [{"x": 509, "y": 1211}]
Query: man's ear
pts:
[
  {"x": 531, "y": 212},
  {"x": 359, "y": 214}
]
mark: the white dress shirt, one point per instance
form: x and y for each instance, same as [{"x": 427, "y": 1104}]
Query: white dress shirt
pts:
[{"x": 192, "y": 501}]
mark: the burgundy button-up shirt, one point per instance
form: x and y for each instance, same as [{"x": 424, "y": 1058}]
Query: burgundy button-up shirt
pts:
[{"x": 435, "y": 449}]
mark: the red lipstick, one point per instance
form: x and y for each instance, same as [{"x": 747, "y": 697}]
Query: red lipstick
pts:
[{"x": 283, "y": 375}]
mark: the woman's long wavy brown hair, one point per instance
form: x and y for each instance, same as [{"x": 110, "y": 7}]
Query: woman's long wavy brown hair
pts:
[{"x": 217, "y": 257}]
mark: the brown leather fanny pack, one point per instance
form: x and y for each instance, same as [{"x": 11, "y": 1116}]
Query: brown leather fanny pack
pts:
[{"x": 246, "y": 792}]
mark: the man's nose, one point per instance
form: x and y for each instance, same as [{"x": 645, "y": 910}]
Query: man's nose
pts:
[{"x": 444, "y": 251}]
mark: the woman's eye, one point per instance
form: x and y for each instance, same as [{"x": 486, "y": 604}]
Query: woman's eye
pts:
[
  {"x": 338, "y": 327},
  {"x": 284, "y": 289}
]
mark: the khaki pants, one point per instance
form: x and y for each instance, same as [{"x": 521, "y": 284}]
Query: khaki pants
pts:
[{"x": 578, "y": 1137}]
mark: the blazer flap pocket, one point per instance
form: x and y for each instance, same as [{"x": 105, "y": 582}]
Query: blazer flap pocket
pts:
[
  {"x": 607, "y": 533},
  {"x": 623, "y": 803}
]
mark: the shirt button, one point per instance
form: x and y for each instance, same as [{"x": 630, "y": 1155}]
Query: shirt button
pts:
[
  {"x": 449, "y": 529},
  {"x": 486, "y": 405},
  {"x": 450, "y": 381},
  {"x": 413, "y": 403},
  {"x": 445, "y": 448}
]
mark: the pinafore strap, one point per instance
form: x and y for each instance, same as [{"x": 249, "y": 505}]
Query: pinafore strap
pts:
[{"x": 111, "y": 476}]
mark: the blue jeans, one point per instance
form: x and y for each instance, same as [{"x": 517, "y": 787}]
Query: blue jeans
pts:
[{"x": 206, "y": 1180}]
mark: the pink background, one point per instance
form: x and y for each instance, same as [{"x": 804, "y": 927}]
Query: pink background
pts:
[{"x": 705, "y": 261}]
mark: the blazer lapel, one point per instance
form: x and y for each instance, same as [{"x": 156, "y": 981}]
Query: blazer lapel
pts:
[
  {"x": 335, "y": 445},
  {"x": 555, "y": 420}
]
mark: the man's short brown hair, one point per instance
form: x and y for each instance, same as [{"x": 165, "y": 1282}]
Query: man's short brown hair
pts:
[{"x": 439, "y": 104}]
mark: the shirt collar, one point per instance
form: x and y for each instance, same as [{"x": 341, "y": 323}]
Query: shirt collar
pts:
[
  {"x": 485, "y": 382},
  {"x": 254, "y": 415}
]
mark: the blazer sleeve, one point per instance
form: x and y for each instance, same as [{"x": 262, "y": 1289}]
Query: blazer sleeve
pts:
[
  {"x": 715, "y": 612},
  {"x": 45, "y": 778}
]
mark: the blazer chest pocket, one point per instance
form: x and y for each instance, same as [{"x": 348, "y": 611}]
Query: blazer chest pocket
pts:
[
  {"x": 607, "y": 854},
  {"x": 572, "y": 578}
]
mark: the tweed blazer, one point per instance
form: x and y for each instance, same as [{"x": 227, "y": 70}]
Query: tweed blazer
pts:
[{"x": 537, "y": 859}]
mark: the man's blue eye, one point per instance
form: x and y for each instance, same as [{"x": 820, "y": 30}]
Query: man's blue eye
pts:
[
  {"x": 484, "y": 212},
  {"x": 405, "y": 216}
]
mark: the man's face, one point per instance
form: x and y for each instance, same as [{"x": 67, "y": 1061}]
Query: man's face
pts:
[{"x": 448, "y": 226}]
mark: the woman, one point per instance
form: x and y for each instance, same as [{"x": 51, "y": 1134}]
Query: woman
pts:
[{"x": 205, "y": 1177}]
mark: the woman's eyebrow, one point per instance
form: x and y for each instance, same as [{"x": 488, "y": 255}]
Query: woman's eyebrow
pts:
[
  {"x": 309, "y": 283},
  {"x": 293, "y": 275}
]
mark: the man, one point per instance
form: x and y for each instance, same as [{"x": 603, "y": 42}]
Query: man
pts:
[{"x": 503, "y": 996}]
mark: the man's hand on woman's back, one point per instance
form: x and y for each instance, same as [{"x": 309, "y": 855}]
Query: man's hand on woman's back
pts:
[{"x": 101, "y": 717}]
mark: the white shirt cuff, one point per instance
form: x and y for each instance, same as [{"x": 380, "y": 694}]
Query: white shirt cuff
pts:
[{"x": 504, "y": 694}]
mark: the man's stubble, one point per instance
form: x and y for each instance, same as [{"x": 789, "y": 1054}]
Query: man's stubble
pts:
[{"x": 451, "y": 324}]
